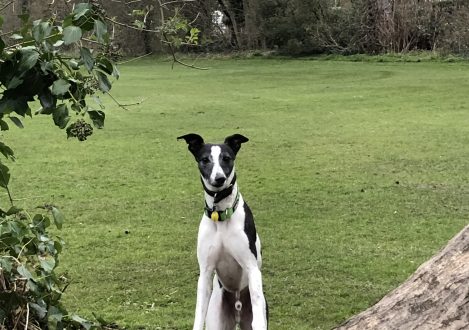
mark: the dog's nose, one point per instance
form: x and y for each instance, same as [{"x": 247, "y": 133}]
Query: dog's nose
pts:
[{"x": 219, "y": 181}]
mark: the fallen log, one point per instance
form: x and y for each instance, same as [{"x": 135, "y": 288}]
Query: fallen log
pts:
[{"x": 436, "y": 296}]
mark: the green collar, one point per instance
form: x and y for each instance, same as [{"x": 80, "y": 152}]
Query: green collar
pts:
[{"x": 222, "y": 215}]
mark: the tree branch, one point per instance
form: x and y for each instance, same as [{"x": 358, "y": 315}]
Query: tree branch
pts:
[
  {"x": 134, "y": 59},
  {"x": 176, "y": 60},
  {"x": 5, "y": 6},
  {"x": 123, "y": 106},
  {"x": 130, "y": 26}
]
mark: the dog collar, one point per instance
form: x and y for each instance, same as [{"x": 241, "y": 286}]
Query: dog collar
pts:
[
  {"x": 222, "y": 215},
  {"x": 219, "y": 195}
]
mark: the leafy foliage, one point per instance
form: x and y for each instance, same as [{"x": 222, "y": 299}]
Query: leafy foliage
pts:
[
  {"x": 42, "y": 65},
  {"x": 35, "y": 68}
]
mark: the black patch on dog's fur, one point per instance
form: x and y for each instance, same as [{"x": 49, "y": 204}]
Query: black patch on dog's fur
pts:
[{"x": 250, "y": 229}]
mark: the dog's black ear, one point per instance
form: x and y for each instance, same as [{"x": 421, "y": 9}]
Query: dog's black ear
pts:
[
  {"x": 194, "y": 141},
  {"x": 234, "y": 141}
]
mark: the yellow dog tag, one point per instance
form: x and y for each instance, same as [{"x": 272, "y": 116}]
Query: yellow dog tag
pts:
[{"x": 214, "y": 216}]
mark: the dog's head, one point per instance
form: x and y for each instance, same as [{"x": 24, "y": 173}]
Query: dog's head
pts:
[{"x": 215, "y": 161}]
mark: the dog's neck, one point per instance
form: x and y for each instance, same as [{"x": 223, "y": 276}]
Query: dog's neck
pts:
[{"x": 222, "y": 199}]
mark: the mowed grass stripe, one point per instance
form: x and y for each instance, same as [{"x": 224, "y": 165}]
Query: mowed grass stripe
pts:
[{"x": 356, "y": 174}]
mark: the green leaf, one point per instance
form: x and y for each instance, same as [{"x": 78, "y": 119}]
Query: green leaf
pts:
[
  {"x": 97, "y": 116},
  {"x": 81, "y": 9},
  {"x": 41, "y": 30},
  {"x": 100, "y": 30},
  {"x": 6, "y": 151},
  {"x": 16, "y": 36},
  {"x": 54, "y": 317},
  {"x": 48, "y": 101},
  {"x": 115, "y": 71},
  {"x": 23, "y": 271},
  {"x": 40, "y": 310},
  {"x": 3, "y": 125},
  {"x": 4, "y": 176},
  {"x": 28, "y": 59},
  {"x": 81, "y": 321},
  {"x": 103, "y": 82},
  {"x": 60, "y": 87},
  {"x": 105, "y": 64},
  {"x": 6, "y": 264},
  {"x": 72, "y": 34},
  {"x": 47, "y": 263},
  {"x": 87, "y": 58},
  {"x": 58, "y": 217},
  {"x": 14, "y": 210},
  {"x": 17, "y": 122},
  {"x": 60, "y": 116},
  {"x": 18, "y": 105},
  {"x": 14, "y": 82}
]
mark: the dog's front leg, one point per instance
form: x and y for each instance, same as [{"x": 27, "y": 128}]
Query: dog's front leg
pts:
[
  {"x": 259, "y": 320},
  {"x": 204, "y": 289}
]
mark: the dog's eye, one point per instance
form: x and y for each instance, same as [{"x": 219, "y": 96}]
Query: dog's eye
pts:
[
  {"x": 226, "y": 158},
  {"x": 205, "y": 160}
]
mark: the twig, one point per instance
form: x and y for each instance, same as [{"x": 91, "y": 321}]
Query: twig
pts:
[
  {"x": 135, "y": 58},
  {"x": 195, "y": 19},
  {"x": 123, "y": 106},
  {"x": 176, "y": 60},
  {"x": 9, "y": 195},
  {"x": 130, "y": 26},
  {"x": 175, "y": 1},
  {"x": 23, "y": 247},
  {"x": 126, "y": 2},
  {"x": 5, "y": 6},
  {"x": 91, "y": 41},
  {"x": 27, "y": 317}
]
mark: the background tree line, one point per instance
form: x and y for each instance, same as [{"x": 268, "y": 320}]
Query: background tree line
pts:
[{"x": 287, "y": 26}]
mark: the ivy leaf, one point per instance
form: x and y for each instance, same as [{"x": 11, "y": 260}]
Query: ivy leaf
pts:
[
  {"x": 41, "y": 30},
  {"x": 23, "y": 271},
  {"x": 54, "y": 316},
  {"x": 14, "y": 82},
  {"x": 81, "y": 321},
  {"x": 48, "y": 101},
  {"x": 97, "y": 116},
  {"x": 87, "y": 58},
  {"x": 47, "y": 263},
  {"x": 13, "y": 210},
  {"x": 4, "y": 176},
  {"x": 7, "y": 151},
  {"x": 72, "y": 34},
  {"x": 40, "y": 310},
  {"x": 106, "y": 65},
  {"x": 16, "y": 104},
  {"x": 17, "y": 122},
  {"x": 60, "y": 116},
  {"x": 103, "y": 82},
  {"x": 28, "y": 59},
  {"x": 3, "y": 125},
  {"x": 60, "y": 87},
  {"x": 6, "y": 264},
  {"x": 58, "y": 217},
  {"x": 100, "y": 30}
]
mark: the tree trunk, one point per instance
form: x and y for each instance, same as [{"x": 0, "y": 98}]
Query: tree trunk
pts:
[
  {"x": 436, "y": 296},
  {"x": 233, "y": 24}
]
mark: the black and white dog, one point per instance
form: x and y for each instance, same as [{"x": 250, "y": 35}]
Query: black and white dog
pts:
[{"x": 227, "y": 244}]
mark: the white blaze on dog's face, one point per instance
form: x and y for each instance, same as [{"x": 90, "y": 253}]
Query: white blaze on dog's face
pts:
[{"x": 216, "y": 165}]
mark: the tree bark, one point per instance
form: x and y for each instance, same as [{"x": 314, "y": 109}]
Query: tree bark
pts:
[{"x": 436, "y": 296}]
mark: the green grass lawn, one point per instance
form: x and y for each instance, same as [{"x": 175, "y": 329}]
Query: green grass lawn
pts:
[{"x": 356, "y": 173}]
